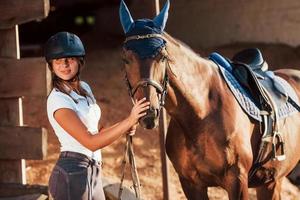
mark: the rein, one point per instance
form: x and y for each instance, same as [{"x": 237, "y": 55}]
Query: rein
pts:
[{"x": 128, "y": 153}]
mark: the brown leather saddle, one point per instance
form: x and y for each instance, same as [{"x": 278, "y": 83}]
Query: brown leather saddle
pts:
[{"x": 250, "y": 69}]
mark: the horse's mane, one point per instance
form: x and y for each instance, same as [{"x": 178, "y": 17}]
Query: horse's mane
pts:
[{"x": 182, "y": 46}]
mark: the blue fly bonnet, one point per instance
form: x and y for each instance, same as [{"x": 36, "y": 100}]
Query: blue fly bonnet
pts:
[{"x": 143, "y": 36}]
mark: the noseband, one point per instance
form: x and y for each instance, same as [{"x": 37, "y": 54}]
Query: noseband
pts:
[{"x": 145, "y": 82}]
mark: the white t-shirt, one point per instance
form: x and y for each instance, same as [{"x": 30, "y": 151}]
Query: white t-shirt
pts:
[{"x": 86, "y": 109}]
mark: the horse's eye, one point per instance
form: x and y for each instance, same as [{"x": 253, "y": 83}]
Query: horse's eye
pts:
[{"x": 125, "y": 61}]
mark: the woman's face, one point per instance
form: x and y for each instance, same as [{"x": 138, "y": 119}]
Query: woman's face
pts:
[{"x": 65, "y": 68}]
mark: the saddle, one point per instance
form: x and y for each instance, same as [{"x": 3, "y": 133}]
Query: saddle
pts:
[
  {"x": 251, "y": 71},
  {"x": 273, "y": 97}
]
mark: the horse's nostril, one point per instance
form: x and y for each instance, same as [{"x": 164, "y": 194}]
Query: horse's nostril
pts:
[
  {"x": 149, "y": 121},
  {"x": 155, "y": 112}
]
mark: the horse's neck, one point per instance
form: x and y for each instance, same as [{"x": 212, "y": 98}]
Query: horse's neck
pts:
[{"x": 191, "y": 81}]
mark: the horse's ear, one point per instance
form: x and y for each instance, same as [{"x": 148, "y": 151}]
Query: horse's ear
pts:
[
  {"x": 161, "y": 19},
  {"x": 125, "y": 17}
]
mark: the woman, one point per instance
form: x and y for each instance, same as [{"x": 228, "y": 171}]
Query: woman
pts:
[{"x": 74, "y": 116}]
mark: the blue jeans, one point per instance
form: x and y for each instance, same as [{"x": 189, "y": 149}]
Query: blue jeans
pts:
[{"x": 76, "y": 177}]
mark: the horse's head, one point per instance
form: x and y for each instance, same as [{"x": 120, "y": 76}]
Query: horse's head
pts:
[{"x": 145, "y": 60}]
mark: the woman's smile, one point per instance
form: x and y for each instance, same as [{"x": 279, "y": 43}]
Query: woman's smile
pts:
[
  {"x": 66, "y": 72},
  {"x": 65, "y": 68}
]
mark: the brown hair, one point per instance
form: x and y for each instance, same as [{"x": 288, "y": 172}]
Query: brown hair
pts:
[{"x": 74, "y": 84}]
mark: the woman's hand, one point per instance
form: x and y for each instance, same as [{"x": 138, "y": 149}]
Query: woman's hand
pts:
[
  {"x": 138, "y": 110},
  {"x": 132, "y": 130}
]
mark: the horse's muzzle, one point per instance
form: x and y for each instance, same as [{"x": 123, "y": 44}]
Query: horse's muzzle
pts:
[{"x": 150, "y": 120}]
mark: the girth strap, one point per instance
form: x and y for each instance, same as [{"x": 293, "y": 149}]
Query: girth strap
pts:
[{"x": 293, "y": 103}]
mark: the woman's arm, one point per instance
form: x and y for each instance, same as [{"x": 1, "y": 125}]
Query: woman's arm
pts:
[{"x": 71, "y": 123}]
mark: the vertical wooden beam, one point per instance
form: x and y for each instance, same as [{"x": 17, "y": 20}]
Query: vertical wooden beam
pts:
[
  {"x": 163, "y": 126},
  {"x": 156, "y": 7},
  {"x": 12, "y": 171}
]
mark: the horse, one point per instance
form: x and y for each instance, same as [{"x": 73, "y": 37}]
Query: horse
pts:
[{"x": 210, "y": 140}]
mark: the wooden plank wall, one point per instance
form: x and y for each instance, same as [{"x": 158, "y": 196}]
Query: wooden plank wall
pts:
[
  {"x": 11, "y": 170},
  {"x": 25, "y": 77},
  {"x": 21, "y": 11},
  {"x": 19, "y": 78},
  {"x": 209, "y": 24}
]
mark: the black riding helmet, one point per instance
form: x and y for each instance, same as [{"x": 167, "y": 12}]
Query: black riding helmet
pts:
[{"x": 62, "y": 45}]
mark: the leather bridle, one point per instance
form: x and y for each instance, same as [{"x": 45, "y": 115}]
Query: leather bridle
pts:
[{"x": 145, "y": 82}]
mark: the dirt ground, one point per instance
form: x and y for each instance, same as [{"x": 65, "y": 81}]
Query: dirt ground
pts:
[{"x": 103, "y": 73}]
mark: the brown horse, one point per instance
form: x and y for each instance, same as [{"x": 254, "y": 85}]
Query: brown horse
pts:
[{"x": 210, "y": 140}]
